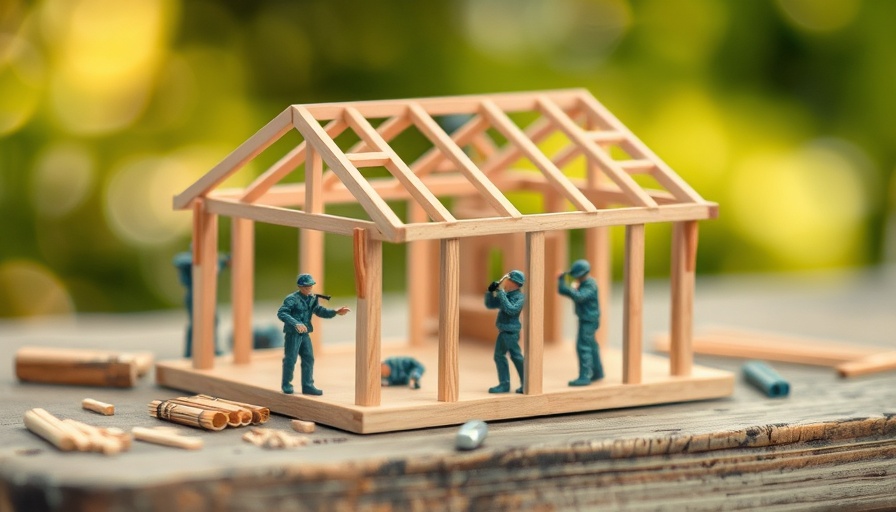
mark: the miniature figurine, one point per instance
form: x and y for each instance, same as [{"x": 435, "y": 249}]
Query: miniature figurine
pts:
[
  {"x": 399, "y": 371},
  {"x": 583, "y": 293},
  {"x": 296, "y": 314},
  {"x": 183, "y": 261},
  {"x": 505, "y": 296}
]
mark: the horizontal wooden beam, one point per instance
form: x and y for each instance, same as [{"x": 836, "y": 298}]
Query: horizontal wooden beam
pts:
[{"x": 290, "y": 218}]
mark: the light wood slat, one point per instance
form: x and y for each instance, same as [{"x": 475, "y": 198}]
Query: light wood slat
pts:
[
  {"x": 368, "y": 323},
  {"x": 682, "y": 283},
  {"x": 430, "y": 160},
  {"x": 286, "y": 165},
  {"x": 246, "y": 151},
  {"x": 577, "y": 135},
  {"x": 437, "y": 135},
  {"x": 389, "y": 129},
  {"x": 370, "y": 159},
  {"x": 514, "y": 134},
  {"x": 535, "y": 132},
  {"x": 557, "y": 221},
  {"x": 534, "y": 314},
  {"x": 605, "y": 137},
  {"x": 566, "y": 155},
  {"x": 508, "y": 102},
  {"x": 664, "y": 174},
  {"x": 637, "y": 166},
  {"x": 311, "y": 241},
  {"x": 242, "y": 287},
  {"x": 286, "y": 217},
  {"x": 449, "y": 320},
  {"x": 386, "y": 220},
  {"x": 633, "y": 304},
  {"x": 398, "y": 168},
  {"x": 205, "y": 285}
]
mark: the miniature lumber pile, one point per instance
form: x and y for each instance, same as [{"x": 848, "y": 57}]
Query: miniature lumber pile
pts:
[
  {"x": 81, "y": 367},
  {"x": 207, "y": 412},
  {"x": 72, "y": 435},
  {"x": 274, "y": 439},
  {"x": 850, "y": 360}
]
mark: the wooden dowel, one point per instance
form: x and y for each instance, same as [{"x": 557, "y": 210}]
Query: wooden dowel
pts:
[
  {"x": 260, "y": 414},
  {"x": 166, "y": 438},
  {"x": 75, "y": 366},
  {"x": 100, "y": 441},
  {"x": 187, "y": 415},
  {"x": 82, "y": 442},
  {"x": 96, "y": 406},
  {"x": 306, "y": 427},
  {"x": 49, "y": 431},
  {"x": 773, "y": 347},
  {"x": 234, "y": 414},
  {"x": 874, "y": 363}
]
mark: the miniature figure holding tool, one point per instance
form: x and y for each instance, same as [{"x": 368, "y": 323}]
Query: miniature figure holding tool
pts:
[
  {"x": 505, "y": 296},
  {"x": 296, "y": 312},
  {"x": 583, "y": 292},
  {"x": 401, "y": 371},
  {"x": 183, "y": 261}
]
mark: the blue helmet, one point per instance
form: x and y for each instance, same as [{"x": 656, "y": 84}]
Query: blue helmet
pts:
[
  {"x": 305, "y": 280},
  {"x": 579, "y": 268},
  {"x": 517, "y": 277}
]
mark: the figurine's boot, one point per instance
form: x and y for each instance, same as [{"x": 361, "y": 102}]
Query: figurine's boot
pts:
[
  {"x": 585, "y": 373},
  {"x": 503, "y": 375},
  {"x": 503, "y": 387}
]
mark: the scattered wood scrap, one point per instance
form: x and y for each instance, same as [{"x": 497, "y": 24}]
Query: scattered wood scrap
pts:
[
  {"x": 274, "y": 439},
  {"x": 166, "y": 437},
  {"x": 207, "y": 412},
  {"x": 103, "y": 408},
  {"x": 82, "y": 367}
]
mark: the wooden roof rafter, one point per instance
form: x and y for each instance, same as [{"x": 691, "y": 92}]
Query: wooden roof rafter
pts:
[{"x": 388, "y": 130}]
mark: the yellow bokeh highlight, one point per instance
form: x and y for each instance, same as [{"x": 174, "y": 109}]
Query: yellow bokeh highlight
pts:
[
  {"x": 108, "y": 54},
  {"x": 27, "y": 288},
  {"x": 804, "y": 208},
  {"x": 62, "y": 180},
  {"x": 820, "y": 16},
  {"x": 22, "y": 74}
]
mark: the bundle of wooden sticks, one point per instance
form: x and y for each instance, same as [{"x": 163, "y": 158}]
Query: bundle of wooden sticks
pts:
[
  {"x": 208, "y": 412},
  {"x": 69, "y": 434}
]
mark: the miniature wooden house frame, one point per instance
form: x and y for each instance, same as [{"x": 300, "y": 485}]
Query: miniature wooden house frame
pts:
[{"x": 473, "y": 166}]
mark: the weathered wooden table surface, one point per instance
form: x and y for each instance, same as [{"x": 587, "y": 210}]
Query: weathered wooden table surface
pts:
[{"x": 829, "y": 445}]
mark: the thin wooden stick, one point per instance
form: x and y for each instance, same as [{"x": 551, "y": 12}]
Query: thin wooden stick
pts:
[
  {"x": 773, "y": 347},
  {"x": 236, "y": 415},
  {"x": 166, "y": 438},
  {"x": 260, "y": 414},
  {"x": 99, "y": 440},
  {"x": 82, "y": 442},
  {"x": 96, "y": 406},
  {"x": 874, "y": 363},
  {"x": 50, "y": 431}
]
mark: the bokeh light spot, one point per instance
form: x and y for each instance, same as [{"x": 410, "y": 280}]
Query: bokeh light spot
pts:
[
  {"x": 62, "y": 179},
  {"x": 805, "y": 208},
  {"x": 139, "y": 195},
  {"x": 22, "y": 77},
  {"x": 820, "y": 16},
  {"x": 30, "y": 289}
]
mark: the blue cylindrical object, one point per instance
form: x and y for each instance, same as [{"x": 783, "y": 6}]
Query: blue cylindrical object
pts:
[{"x": 766, "y": 379}]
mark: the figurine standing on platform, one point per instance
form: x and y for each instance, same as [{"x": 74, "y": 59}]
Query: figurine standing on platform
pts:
[
  {"x": 296, "y": 314},
  {"x": 505, "y": 296},
  {"x": 400, "y": 371},
  {"x": 183, "y": 262},
  {"x": 583, "y": 292}
]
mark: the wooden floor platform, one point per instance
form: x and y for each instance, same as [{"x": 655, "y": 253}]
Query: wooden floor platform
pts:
[{"x": 405, "y": 409}]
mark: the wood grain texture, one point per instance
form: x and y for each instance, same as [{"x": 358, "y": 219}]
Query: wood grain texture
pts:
[
  {"x": 682, "y": 284},
  {"x": 449, "y": 319},
  {"x": 368, "y": 328},
  {"x": 242, "y": 287},
  {"x": 533, "y": 342},
  {"x": 633, "y": 304}
]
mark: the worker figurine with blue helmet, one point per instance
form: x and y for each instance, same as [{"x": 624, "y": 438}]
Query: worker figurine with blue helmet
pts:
[
  {"x": 296, "y": 314},
  {"x": 583, "y": 292},
  {"x": 505, "y": 296}
]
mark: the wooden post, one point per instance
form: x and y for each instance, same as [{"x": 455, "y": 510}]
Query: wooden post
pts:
[
  {"x": 419, "y": 271},
  {"x": 684, "y": 262},
  {"x": 556, "y": 261},
  {"x": 369, "y": 284},
  {"x": 598, "y": 252},
  {"x": 242, "y": 287},
  {"x": 632, "y": 314},
  {"x": 311, "y": 242},
  {"x": 205, "y": 285},
  {"x": 534, "y": 341},
  {"x": 449, "y": 319}
]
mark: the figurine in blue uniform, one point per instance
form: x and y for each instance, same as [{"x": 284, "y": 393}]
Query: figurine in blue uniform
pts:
[
  {"x": 583, "y": 292},
  {"x": 401, "y": 371},
  {"x": 296, "y": 314},
  {"x": 505, "y": 296},
  {"x": 183, "y": 261}
]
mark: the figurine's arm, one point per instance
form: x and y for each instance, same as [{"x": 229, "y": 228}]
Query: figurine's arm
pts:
[
  {"x": 491, "y": 300},
  {"x": 327, "y": 312}
]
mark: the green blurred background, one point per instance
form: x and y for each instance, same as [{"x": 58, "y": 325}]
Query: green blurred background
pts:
[{"x": 782, "y": 111}]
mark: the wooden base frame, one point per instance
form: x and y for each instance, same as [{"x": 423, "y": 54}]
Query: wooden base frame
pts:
[{"x": 405, "y": 409}]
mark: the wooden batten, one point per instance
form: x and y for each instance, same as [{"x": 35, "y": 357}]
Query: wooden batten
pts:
[
  {"x": 533, "y": 344},
  {"x": 449, "y": 320},
  {"x": 598, "y": 252},
  {"x": 419, "y": 272},
  {"x": 633, "y": 307},
  {"x": 311, "y": 241},
  {"x": 242, "y": 287},
  {"x": 205, "y": 279},
  {"x": 684, "y": 255},
  {"x": 368, "y": 328}
]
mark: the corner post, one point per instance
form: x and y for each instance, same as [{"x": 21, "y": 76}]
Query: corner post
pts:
[
  {"x": 684, "y": 262},
  {"x": 449, "y": 319},
  {"x": 205, "y": 285},
  {"x": 534, "y": 314},
  {"x": 369, "y": 284},
  {"x": 242, "y": 287},
  {"x": 311, "y": 242},
  {"x": 633, "y": 309}
]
